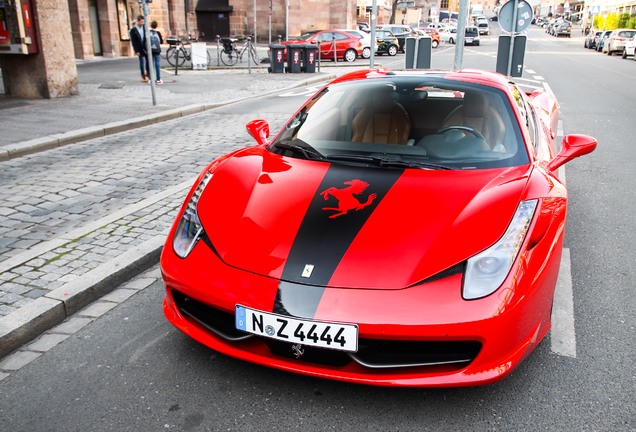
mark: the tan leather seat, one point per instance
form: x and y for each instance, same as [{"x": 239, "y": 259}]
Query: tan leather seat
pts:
[
  {"x": 382, "y": 120},
  {"x": 478, "y": 112}
]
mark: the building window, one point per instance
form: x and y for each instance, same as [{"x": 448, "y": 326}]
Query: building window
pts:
[{"x": 443, "y": 4}]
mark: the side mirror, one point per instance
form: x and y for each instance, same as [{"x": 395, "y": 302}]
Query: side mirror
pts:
[
  {"x": 572, "y": 147},
  {"x": 259, "y": 129}
]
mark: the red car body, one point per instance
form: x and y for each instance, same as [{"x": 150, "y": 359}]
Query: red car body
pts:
[
  {"x": 392, "y": 248},
  {"x": 347, "y": 46},
  {"x": 433, "y": 33}
]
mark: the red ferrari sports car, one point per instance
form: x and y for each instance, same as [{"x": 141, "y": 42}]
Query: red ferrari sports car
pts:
[{"x": 404, "y": 228}]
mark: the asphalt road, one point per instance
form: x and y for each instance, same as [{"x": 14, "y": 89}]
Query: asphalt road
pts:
[{"x": 132, "y": 371}]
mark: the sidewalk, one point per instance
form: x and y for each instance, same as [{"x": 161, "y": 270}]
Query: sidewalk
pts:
[{"x": 44, "y": 277}]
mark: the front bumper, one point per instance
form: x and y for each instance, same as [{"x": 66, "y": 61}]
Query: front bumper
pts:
[{"x": 489, "y": 337}]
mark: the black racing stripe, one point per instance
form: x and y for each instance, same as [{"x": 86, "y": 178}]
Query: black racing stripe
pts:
[{"x": 345, "y": 199}]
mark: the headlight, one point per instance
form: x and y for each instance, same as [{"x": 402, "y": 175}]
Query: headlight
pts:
[
  {"x": 189, "y": 229},
  {"x": 486, "y": 271}
]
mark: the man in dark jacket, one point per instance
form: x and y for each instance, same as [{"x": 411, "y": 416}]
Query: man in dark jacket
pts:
[{"x": 138, "y": 40}]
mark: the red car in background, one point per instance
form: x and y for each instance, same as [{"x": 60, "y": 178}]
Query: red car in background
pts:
[
  {"x": 348, "y": 46},
  {"x": 433, "y": 33}
]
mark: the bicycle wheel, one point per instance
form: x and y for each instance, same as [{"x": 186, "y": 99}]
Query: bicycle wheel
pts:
[
  {"x": 254, "y": 55},
  {"x": 171, "y": 56},
  {"x": 229, "y": 58}
]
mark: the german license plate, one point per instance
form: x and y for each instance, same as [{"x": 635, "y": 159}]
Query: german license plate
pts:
[
  {"x": 469, "y": 40},
  {"x": 336, "y": 336}
]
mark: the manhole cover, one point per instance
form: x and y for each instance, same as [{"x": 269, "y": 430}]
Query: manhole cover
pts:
[{"x": 112, "y": 86}]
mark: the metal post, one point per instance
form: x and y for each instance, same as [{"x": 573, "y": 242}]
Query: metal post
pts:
[
  {"x": 512, "y": 36},
  {"x": 254, "y": 22},
  {"x": 286, "y": 20},
  {"x": 218, "y": 50},
  {"x": 318, "y": 44},
  {"x": 249, "y": 55},
  {"x": 461, "y": 34},
  {"x": 335, "y": 54},
  {"x": 176, "y": 59},
  {"x": 149, "y": 55},
  {"x": 374, "y": 8}
]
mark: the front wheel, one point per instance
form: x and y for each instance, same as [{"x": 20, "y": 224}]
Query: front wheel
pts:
[
  {"x": 366, "y": 52},
  {"x": 392, "y": 50},
  {"x": 171, "y": 55},
  {"x": 229, "y": 58},
  {"x": 254, "y": 55},
  {"x": 350, "y": 55},
  {"x": 434, "y": 44},
  {"x": 451, "y": 41},
  {"x": 624, "y": 54}
]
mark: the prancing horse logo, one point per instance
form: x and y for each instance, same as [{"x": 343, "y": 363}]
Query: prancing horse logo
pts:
[
  {"x": 346, "y": 197},
  {"x": 298, "y": 350}
]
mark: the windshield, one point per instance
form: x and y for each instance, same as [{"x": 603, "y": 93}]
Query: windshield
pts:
[
  {"x": 306, "y": 36},
  {"x": 406, "y": 120},
  {"x": 471, "y": 31}
]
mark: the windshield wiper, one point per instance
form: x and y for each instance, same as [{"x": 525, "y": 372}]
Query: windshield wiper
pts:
[
  {"x": 307, "y": 151},
  {"x": 387, "y": 161}
]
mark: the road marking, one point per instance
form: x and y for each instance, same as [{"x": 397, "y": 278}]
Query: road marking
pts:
[
  {"x": 530, "y": 71},
  {"x": 307, "y": 91},
  {"x": 562, "y": 335},
  {"x": 538, "y": 77}
]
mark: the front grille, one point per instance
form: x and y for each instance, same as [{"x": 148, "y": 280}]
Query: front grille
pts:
[
  {"x": 376, "y": 353},
  {"x": 217, "y": 321},
  {"x": 372, "y": 353}
]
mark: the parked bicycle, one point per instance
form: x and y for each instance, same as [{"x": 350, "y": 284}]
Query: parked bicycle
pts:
[
  {"x": 230, "y": 54},
  {"x": 179, "y": 51}
]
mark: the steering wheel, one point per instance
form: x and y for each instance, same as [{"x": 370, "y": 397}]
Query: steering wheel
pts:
[{"x": 468, "y": 129}]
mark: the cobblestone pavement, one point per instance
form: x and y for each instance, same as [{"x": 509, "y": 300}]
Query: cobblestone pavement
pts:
[
  {"x": 76, "y": 220},
  {"x": 82, "y": 183}
]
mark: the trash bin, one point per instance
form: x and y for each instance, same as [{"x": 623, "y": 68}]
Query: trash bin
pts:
[
  {"x": 294, "y": 54},
  {"x": 276, "y": 58},
  {"x": 309, "y": 58}
]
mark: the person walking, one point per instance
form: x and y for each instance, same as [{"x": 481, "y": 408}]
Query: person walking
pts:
[
  {"x": 138, "y": 41},
  {"x": 155, "y": 47}
]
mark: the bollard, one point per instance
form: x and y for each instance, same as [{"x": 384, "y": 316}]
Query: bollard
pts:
[
  {"x": 218, "y": 50},
  {"x": 176, "y": 64},
  {"x": 249, "y": 55},
  {"x": 335, "y": 54}
]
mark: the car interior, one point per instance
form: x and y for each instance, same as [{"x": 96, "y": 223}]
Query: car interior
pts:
[{"x": 444, "y": 120}]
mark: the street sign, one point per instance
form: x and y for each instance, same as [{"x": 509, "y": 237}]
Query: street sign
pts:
[
  {"x": 503, "y": 55},
  {"x": 506, "y": 16}
]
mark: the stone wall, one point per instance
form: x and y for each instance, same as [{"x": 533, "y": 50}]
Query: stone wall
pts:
[{"x": 50, "y": 73}]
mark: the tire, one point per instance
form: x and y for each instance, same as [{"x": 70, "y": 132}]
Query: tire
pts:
[
  {"x": 585, "y": 43},
  {"x": 254, "y": 56},
  {"x": 392, "y": 50},
  {"x": 171, "y": 56},
  {"x": 609, "y": 52},
  {"x": 624, "y": 55},
  {"x": 350, "y": 55},
  {"x": 451, "y": 41},
  {"x": 366, "y": 52},
  {"x": 229, "y": 59},
  {"x": 434, "y": 44}
]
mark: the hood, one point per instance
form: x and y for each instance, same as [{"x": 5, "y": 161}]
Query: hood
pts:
[{"x": 334, "y": 225}]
